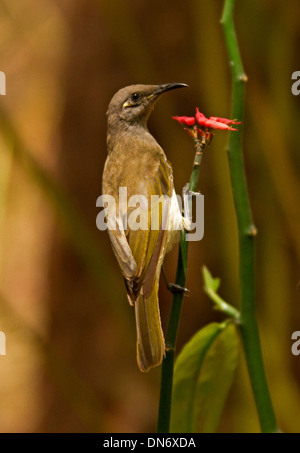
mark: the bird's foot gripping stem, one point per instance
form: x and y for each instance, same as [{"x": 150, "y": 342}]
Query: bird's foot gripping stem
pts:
[
  {"x": 187, "y": 195},
  {"x": 186, "y": 191}
]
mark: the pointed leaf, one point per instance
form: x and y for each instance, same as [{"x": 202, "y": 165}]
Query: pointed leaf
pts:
[
  {"x": 203, "y": 374},
  {"x": 210, "y": 283},
  {"x": 211, "y": 286}
]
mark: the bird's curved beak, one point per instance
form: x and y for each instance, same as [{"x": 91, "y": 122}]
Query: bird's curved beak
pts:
[
  {"x": 166, "y": 87},
  {"x": 169, "y": 86}
]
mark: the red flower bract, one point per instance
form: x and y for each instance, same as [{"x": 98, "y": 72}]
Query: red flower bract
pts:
[
  {"x": 215, "y": 122},
  {"x": 185, "y": 120},
  {"x": 224, "y": 120}
]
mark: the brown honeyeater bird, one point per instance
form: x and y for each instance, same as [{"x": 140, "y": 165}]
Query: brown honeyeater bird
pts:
[{"x": 137, "y": 162}]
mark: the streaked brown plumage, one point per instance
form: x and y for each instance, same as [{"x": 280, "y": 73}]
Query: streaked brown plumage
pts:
[{"x": 136, "y": 161}]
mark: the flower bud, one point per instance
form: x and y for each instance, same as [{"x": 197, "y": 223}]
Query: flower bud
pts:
[{"x": 185, "y": 120}]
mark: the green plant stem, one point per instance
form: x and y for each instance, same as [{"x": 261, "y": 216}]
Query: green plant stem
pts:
[
  {"x": 247, "y": 232},
  {"x": 164, "y": 412}
]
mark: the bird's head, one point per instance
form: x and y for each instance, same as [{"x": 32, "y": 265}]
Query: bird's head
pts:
[{"x": 133, "y": 104}]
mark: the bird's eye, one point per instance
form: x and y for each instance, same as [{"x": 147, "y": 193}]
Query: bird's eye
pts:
[
  {"x": 132, "y": 101},
  {"x": 135, "y": 97}
]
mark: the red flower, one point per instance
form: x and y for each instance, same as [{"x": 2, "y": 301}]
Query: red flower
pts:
[
  {"x": 215, "y": 122},
  {"x": 200, "y": 118},
  {"x": 185, "y": 120},
  {"x": 224, "y": 120}
]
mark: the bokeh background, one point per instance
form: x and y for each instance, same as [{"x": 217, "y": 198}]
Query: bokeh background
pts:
[{"x": 71, "y": 360}]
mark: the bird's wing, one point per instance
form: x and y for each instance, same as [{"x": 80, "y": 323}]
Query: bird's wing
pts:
[
  {"x": 138, "y": 251},
  {"x": 147, "y": 245},
  {"x": 114, "y": 218},
  {"x": 123, "y": 252}
]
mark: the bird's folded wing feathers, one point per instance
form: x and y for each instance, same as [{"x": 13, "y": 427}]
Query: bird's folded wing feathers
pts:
[
  {"x": 123, "y": 253},
  {"x": 138, "y": 251},
  {"x": 147, "y": 245}
]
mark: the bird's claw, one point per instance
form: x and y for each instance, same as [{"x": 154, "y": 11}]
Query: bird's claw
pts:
[
  {"x": 174, "y": 288},
  {"x": 186, "y": 191}
]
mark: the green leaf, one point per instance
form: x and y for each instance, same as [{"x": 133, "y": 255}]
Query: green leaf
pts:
[
  {"x": 203, "y": 374},
  {"x": 210, "y": 283},
  {"x": 211, "y": 286}
]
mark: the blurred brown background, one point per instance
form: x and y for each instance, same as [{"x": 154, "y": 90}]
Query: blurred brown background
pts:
[{"x": 71, "y": 361}]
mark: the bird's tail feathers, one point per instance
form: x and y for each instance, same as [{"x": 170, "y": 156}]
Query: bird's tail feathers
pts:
[{"x": 150, "y": 338}]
